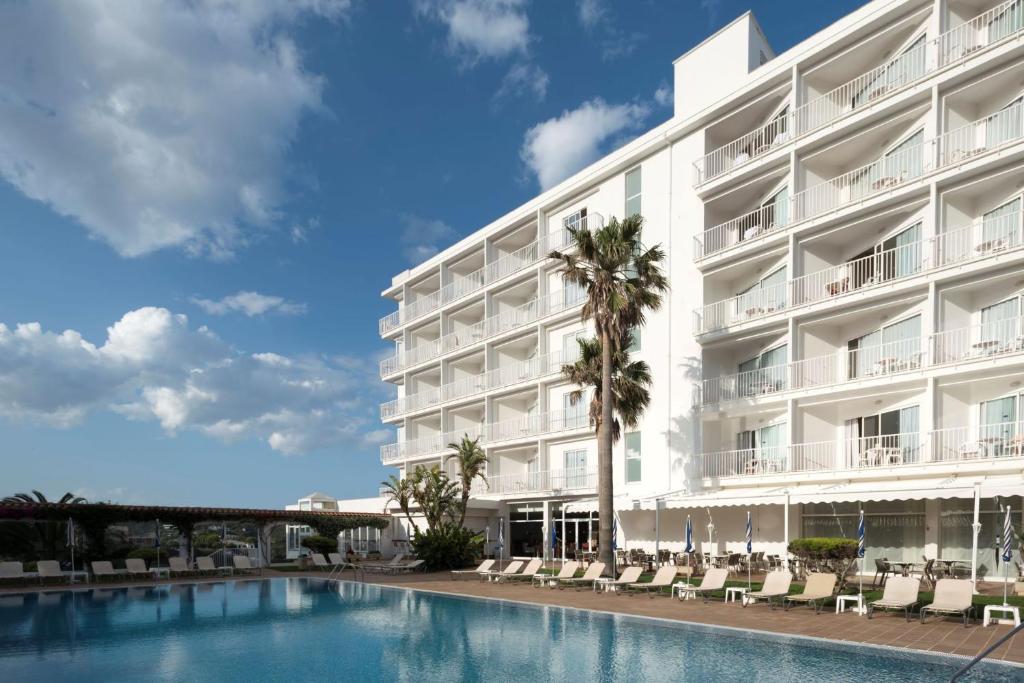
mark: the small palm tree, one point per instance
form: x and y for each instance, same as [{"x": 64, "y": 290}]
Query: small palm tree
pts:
[
  {"x": 399, "y": 491},
  {"x": 623, "y": 280},
  {"x": 49, "y": 533},
  {"x": 435, "y": 494},
  {"x": 472, "y": 461},
  {"x": 631, "y": 382},
  {"x": 37, "y": 497}
]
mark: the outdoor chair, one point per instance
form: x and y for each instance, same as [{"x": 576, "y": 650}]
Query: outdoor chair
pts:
[
  {"x": 136, "y": 568},
  {"x": 319, "y": 561},
  {"x": 178, "y": 566},
  {"x": 714, "y": 580},
  {"x": 204, "y": 565},
  {"x": 484, "y": 567},
  {"x": 242, "y": 564},
  {"x": 662, "y": 579},
  {"x": 406, "y": 568},
  {"x": 733, "y": 563},
  {"x": 776, "y": 585},
  {"x": 382, "y": 566},
  {"x": 568, "y": 570},
  {"x": 335, "y": 559},
  {"x": 952, "y": 596},
  {"x": 531, "y": 570},
  {"x": 50, "y": 569},
  {"x": 103, "y": 569},
  {"x": 629, "y": 575},
  {"x": 882, "y": 569},
  {"x": 592, "y": 574},
  {"x": 12, "y": 571},
  {"x": 512, "y": 568},
  {"x": 900, "y": 593},
  {"x": 817, "y": 590},
  {"x": 926, "y": 572}
]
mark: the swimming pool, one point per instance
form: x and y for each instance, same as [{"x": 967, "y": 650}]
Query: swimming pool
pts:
[{"x": 306, "y": 628}]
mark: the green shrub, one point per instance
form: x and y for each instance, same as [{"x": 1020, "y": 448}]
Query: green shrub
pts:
[
  {"x": 320, "y": 544},
  {"x": 447, "y": 547},
  {"x": 824, "y": 548}
]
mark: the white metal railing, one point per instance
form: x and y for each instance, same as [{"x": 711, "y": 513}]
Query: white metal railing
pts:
[
  {"x": 757, "y": 303},
  {"x": 908, "y": 68},
  {"x": 757, "y": 223},
  {"x": 992, "y": 132},
  {"x": 885, "y": 359},
  {"x": 976, "y": 442},
  {"x": 503, "y": 266},
  {"x": 983, "y": 237},
  {"x": 541, "y": 481},
  {"x": 885, "y": 450},
  {"x": 749, "y": 384},
  {"x": 524, "y": 314},
  {"x": 882, "y": 267},
  {"x": 406, "y": 404},
  {"x": 986, "y": 340}
]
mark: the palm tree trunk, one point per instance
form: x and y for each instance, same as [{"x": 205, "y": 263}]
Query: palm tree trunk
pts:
[
  {"x": 465, "y": 504},
  {"x": 605, "y": 511}
]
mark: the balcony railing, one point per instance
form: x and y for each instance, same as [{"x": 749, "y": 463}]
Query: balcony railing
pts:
[
  {"x": 960, "y": 444},
  {"x": 980, "y": 239},
  {"x": 977, "y": 342},
  {"x": 525, "y": 427},
  {"x": 463, "y": 285},
  {"x": 882, "y": 175},
  {"x": 867, "y": 89},
  {"x": 540, "y": 482},
  {"x": 527, "y": 313}
]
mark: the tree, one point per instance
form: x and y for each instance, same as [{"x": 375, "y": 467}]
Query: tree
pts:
[
  {"x": 436, "y": 495},
  {"x": 399, "y": 491},
  {"x": 49, "y": 534},
  {"x": 623, "y": 280},
  {"x": 471, "y": 460}
]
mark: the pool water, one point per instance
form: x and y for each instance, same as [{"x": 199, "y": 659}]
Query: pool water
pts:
[{"x": 306, "y": 629}]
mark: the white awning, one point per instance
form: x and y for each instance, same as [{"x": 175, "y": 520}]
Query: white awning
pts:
[
  {"x": 725, "y": 498},
  {"x": 880, "y": 491}
]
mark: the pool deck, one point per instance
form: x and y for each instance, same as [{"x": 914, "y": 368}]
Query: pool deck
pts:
[{"x": 888, "y": 629}]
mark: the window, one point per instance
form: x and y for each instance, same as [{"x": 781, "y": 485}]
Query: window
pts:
[
  {"x": 572, "y": 293},
  {"x": 632, "y": 457},
  {"x": 576, "y": 220},
  {"x": 999, "y": 426},
  {"x": 905, "y": 160},
  {"x": 764, "y": 296},
  {"x": 633, "y": 192},
  {"x": 999, "y": 323},
  {"x": 906, "y": 67},
  {"x": 888, "y": 438},
  {"x": 763, "y": 373},
  {"x": 893, "y": 348},
  {"x": 1010, "y": 21},
  {"x": 575, "y": 414},
  {"x": 999, "y": 226},
  {"x": 900, "y": 255},
  {"x": 634, "y": 340},
  {"x": 1004, "y": 125},
  {"x": 575, "y": 468}
]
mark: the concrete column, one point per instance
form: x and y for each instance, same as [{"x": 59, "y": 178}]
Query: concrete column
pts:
[
  {"x": 785, "y": 531},
  {"x": 547, "y": 553},
  {"x": 932, "y": 519},
  {"x": 976, "y": 529}
]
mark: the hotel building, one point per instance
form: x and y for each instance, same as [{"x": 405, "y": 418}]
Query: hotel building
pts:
[{"x": 844, "y": 237}]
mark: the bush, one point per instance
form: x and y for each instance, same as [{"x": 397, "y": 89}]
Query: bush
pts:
[
  {"x": 824, "y": 548},
  {"x": 147, "y": 554},
  {"x": 320, "y": 544},
  {"x": 447, "y": 547}
]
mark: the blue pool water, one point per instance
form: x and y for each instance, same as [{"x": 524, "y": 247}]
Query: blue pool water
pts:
[{"x": 310, "y": 629}]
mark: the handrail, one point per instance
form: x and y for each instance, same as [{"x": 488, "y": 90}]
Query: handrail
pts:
[
  {"x": 985, "y": 653},
  {"x": 359, "y": 573}
]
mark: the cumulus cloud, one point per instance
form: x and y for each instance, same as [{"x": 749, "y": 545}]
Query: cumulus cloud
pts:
[
  {"x": 423, "y": 237},
  {"x": 592, "y": 13},
  {"x": 480, "y": 29},
  {"x": 249, "y": 303},
  {"x": 523, "y": 78},
  {"x": 555, "y": 149},
  {"x": 596, "y": 17},
  {"x": 663, "y": 95},
  {"x": 156, "y": 125},
  {"x": 154, "y": 366}
]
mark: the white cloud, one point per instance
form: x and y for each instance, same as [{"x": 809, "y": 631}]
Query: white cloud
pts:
[
  {"x": 156, "y": 125},
  {"x": 423, "y": 237},
  {"x": 592, "y": 13},
  {"x": 523, "y": 78},
  {"x": 596, "y": 17},
  {"x": 481, "y": 29},
  {"x": 663, "y": 95},
  {"x": 154, "y": 366},
  {"x": 250, "y": 303},
  {"x": 555, "y": 149}
]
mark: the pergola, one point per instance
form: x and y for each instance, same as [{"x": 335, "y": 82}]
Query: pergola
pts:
[{"x": 94, "y": 518}]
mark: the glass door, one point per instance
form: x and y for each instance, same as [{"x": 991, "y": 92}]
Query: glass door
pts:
[
  {"x": 1000, "y": 225},
  {"x": 900, "y": 255},
  {"x": 999, "y": 325},
  {"x": 1007, "y": 22},
  {"x": 1004, "y": 125},
  {"x": 575, "y": 469},
  {"x": 905, "y": 160},
  {"x": 901, "y": 344},
  {"x": 998, "y": 425}
]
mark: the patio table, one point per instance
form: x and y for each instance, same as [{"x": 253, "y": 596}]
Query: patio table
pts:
[{"x": 904, "y": 566}]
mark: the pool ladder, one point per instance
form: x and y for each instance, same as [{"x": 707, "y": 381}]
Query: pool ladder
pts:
[
  {"x": 357, "y": 572},
  {"x": 1014, "y": 631}
]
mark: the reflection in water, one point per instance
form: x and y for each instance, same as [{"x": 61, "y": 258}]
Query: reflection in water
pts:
[{"x": 308, "y": 629}]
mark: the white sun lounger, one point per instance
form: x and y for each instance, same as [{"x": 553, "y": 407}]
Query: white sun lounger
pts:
[
  {"x": 512, "y": 568},
  {"x": 50, "y": 569},
  {"x": 531, "y": 570},
  {"x": 484, "y": 567},
  {"x": 952, "y": 596},
  {"x": 662, "y": 579},
  {"x": 103, "y": 569},
  {"x": 12, "y": 571},
  {"x": 567, "y": 571},
  {"x": 900, "y": 593},
  {"x": 776, "y": 585},
  {"x": 319, "y": 561},
  {"x": 629, "y": 575},
  {"x": 817, "y": 590},
  {"x": 136, "y": 568},
  {"x": 592, "y": 574},
  {"x": 242, "y": 564},
  {"x": 714, "y": 580}
]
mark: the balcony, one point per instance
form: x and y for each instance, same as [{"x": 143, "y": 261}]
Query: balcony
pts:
[
  {"x": 571, "y": 480},
  {"x": 867, "y": 89},
  {"x": 531, "y": 312},
  {"x": 975, "y": 444},
  {"x": 980, "y": 239},
  {"x": 501, "y": 268},
  {"x": 526, "y": 427}
]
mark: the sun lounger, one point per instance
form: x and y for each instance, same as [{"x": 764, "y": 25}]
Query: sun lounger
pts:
[
  {"x": 952, "y": 596},
  {"x": 103, "y": 569},
  {"x": 629, "y": 575},
  {"x": 531, "y": 569},
  {"x": 568, "y": 570},
  {"x": 484, "y": 567},
  {"x": 12, "y": 571},
  {"x": 512, "y": 568},
  {"x": 204, "y": 565},
  {"x": 404, "y": 568},
  {"x": 136, "y": 568},
  {"x": 776, "y": 585},
  {"x": 900, "y": 593},
  {"x": 714, "y": 580},
  {"x": 319, "y": 561},
  {"x": 50, "y": 569},
  {"x": 336, "y": 559},
  {"x": 817, "y": 590},
  {"x": 178, "y": 566},
  {"x": 662, "y": 579},
  {"x": 592, "y": 574},
  {"x": 242, "y": 564},
  {"x": 395, "y": 561}
]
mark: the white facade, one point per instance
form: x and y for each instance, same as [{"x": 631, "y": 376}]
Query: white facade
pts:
[{"x": 845, "y": 242}]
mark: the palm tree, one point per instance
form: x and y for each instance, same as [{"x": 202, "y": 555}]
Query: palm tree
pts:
[
  {"x": 631, "y": 381},
  {"x": 435, "y": 494},
  {"x": 49, "y": 533},
  {"x": 472, "y": 461},
  {"x": 399, "y": 491},
  {"x": 623, "y": 281}
]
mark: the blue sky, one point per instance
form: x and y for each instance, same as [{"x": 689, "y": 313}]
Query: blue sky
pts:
[{"x": 201, "y": 202}]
